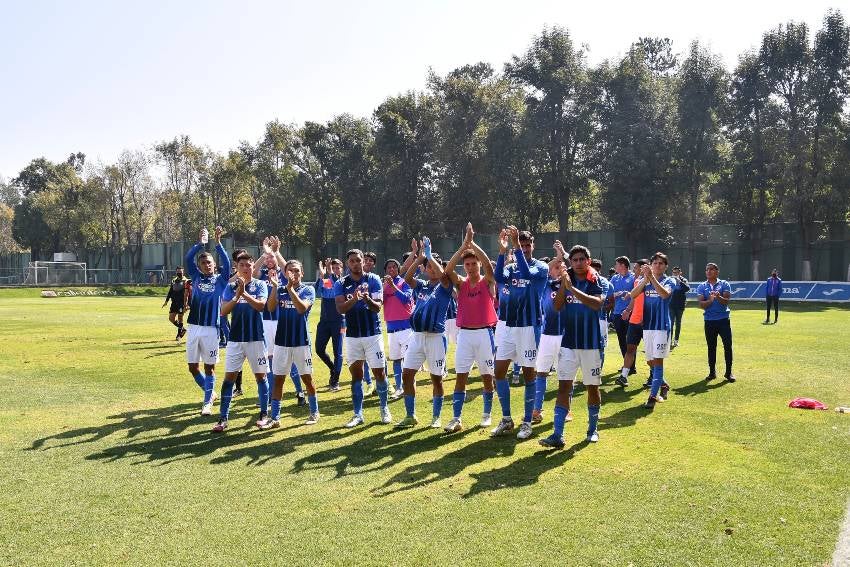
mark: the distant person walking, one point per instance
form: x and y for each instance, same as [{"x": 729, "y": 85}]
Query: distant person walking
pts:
[
  {"x": 677, "y": 303},
  {"x": 176, "y": 292},
  {"x": 773, "y": 290}
]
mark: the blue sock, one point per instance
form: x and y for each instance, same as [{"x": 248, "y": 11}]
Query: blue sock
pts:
[
  {"x": 209, "y": 386},
  {"x": 199, "y": 380},
  {"x": 226, "y": 396},
  {"x": 410, "y": 405},
  {"x": 296, "y": 379},
  {"x": 397, "y": 372},
  {"x": 592, "y": 419},
  {"x": 530, "y": 393},
  {"x": 503, "y": 390},
  {"x": 263, "y": 394},
  {"x": 367, "y": 374},
  {"x": 657, "y": 374},
  {"x": 559, "y": 418},
  {"x": 516, "y": 369},
  {"x": 357, "y": 396},
  {"x": 539, "y": 392},
  {"x": 382, "y": 388},
  {"x": 457, "y": 403},
  {"x": 276, "y": 410},
  {"x": 270, "y": 380},
  {"x": 488, "y": 402},
  {"x": 313, "y": 402},
  {"x": 438, "y": 406}
]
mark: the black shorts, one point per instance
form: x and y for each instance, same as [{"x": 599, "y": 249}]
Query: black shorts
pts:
[
  {"x": 175, "y": 308},
  {"x": 634, "y": 334}
]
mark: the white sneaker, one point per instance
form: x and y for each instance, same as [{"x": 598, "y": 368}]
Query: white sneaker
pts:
[
  {"x": 398, "y": 394},
  {"x": 263, "y": 422},
  {"x": 214, "y": 398},
  {"x": 436, "y": 423},
  {"x": 207, "y": 409},
  {"x": 269, "y": 424},
  {"x": 507, "y": 424},
  {"x": 355, "y": 421},
  {"x": 593, "y": 437},
  {"x": 368, "y": 390},
  {"x": 313, "y": 419},
  {"x": 386, "y": 416},
  {"x": 454, "y": 426},
  {"x": 525, "y": 431},
  {"x": 486, "y": 421}
]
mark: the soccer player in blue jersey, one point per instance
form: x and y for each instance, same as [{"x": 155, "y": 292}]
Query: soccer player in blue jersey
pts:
[
  {"x": 607, "y": 297},
  {"x": 245, "y": 298},
  {"x": 293, "y": 301},
  {"x": 359, "y": 297},
  {"x": 713, "y": 296},
  {"x": 205, "y": 307},
  {"x": 581, "y": 346},
  {"x": 622, "y": 284},
  {"x": 398, "y": 307},
  {"x": 633, "y": 313},
  {"x": 331, "y": 326},
  {"x": 428, "y": 341},
  {"x": 527, "y": 279},
  {"x": 656, "y": 287}
]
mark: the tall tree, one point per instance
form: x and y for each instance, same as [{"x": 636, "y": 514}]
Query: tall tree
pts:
[{"x": 184, "y": 164}]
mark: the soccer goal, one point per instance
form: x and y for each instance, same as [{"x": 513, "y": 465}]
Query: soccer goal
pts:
[{"x": 56, "y": 273}]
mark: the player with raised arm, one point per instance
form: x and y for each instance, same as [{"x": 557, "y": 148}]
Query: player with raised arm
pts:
[
  {"x": 205, "y": 307},
  {"x": 359, "y": 297},
  {"x": 245, "y": 298},
  {"x": 656, "y": 287},
  {"x": 293, "y": 301},
  {"x": 428, "y": 340},
  {"x": 331, "y": 326},
  {"x": 633, "y": 313},
  {"x": 398, "y": 307},
  {"x": 476, "y": 319},
  {"x": 527, "y": 279},
  {"x": 581, "y": 346},
  {"x": 713, "y": 296}
]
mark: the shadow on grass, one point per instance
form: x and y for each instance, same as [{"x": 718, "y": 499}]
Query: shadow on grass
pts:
[{"x": 701, "y": 386}]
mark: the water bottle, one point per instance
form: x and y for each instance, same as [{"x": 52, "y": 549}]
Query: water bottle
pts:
[{"x": 205, "y": 236}]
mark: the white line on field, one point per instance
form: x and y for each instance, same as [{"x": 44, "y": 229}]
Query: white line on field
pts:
[{"x": 841, "y": 557}]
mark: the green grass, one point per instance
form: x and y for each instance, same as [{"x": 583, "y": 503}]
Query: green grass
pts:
[{"x": 105, "y": 460}]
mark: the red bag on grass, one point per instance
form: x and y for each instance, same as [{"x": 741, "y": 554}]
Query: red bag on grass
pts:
[{"x": 807, "y": 403}]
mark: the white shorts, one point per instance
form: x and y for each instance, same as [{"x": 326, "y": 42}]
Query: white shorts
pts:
[
  {"x": 501, "y": 329},
  {"x": 202, "y": 345},
  {"x": 475, "y": 345},
  {"x": 589, "y": 360},
  {"x": 451, "y": 330},
  {"x": 370, "y": 349},
  {"x": 399, "y": 342},
  {"x": 518, "y": 344},
  {"x": 254, "y": 352},
  {"x": 430, "y": 347},
  {"x": 548, "y": 353},
  {"x": 269, "y": 331},
  {"x": 656, "y": 344},
  {"x": 284, "y": 357},
  {"x": 603, "y": 327}
]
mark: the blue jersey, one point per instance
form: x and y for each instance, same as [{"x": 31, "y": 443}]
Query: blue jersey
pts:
[
  {"x": 527, "y": 285},
  {"x": 432, "y": 304},
  {"x": 656, "y": 309},
  {"x": 205, "y": 308},
  {"x": 607, "y": 291},
  {"x": 716, "y": 310},
  {"x": 360, "y": 321},
  {"x": 452, "y": 312},
  {"x": 504, "y": 291},
  {"x": 267, "y": 315},
  {"x": 581, "y": 325},
  {"x": 292, "y": 325},
  {"x": 246, "y": 323},
  {"x": 553, "y": 320},
  {"x": 621, "y": 286},
  {"x": 326, "y": 292}
]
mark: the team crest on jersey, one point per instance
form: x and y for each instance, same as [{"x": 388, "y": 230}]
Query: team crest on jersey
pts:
[
  {"x": 569, "y": 298},
  {"x": 553, "y": 294},
  {"x": 348, "y": 297},
  {"x": 206, "y": 287}
]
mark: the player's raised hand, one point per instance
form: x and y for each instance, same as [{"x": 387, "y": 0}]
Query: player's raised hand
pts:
[
  {"x": 426, "y": 246},
  {"x": 219, "y": 232},
  {"x": 240, "y": 286},
  {"x": 645, "y": 271},
  {"x": 559, "y": 249},
  {"x": 267, "y": 249},
  {"x": 565, "y": 279},
  {"x": 274, "y": 243},
  {"x": 470, "y": 234},
  {"x": 421, "y": 253},
  {"x": 273, "y": 278},
  {"x": 503, "y": 241}
]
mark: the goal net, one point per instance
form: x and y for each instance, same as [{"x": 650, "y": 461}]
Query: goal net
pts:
[{"x": 56, "y": 273}]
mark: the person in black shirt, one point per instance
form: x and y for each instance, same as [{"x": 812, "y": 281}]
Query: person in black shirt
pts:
[
  {"x": 176, "y": 297},
  {"x": 677, "y": 304}
]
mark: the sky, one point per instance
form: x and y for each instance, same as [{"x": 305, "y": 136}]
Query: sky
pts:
[{"x": 102, "y": 76}]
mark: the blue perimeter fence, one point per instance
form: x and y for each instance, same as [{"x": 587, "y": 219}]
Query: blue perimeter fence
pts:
[{"x": 835, "y": 292}]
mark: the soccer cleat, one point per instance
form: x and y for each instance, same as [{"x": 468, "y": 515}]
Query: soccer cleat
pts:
[
  {"x": 486, "y": 421},
  {"x": 436, "y": 423},
  {"x": 453, "y": 426},
  {"x": 730, "y": 378},
  {"x": 312, "y": 419},
  {"x": 711, "y": 376},
  {"x": 181, "y": 333},
  {"x": 632, "y": 371},
  {"x": 237, "y": 393},
  {"x": 665, "y": 389},
  {"x": 207, "y": 409},
  {"x": 515, "y": 380},
  {"x": 220, "y": 426},
  {"x": 355, "y": 421},
  {"x": 525, "y": 430},
  {"x": 553, "y": 441},
  {"x": 569, "y": 416},
  {"x": 269, "y": 424},
  {"x": 369, "y": 390},
  {"x": 593, "y": 437},
  {"x": 650, "y": 403},
  {"x": 302, "y": 399},
  {"x": 620, "y": 381},
  {"x": 674, "y": 344},
  {"x": 333, "y": 387},
  {"x": 407, "y": 422},
  {"x": 263, "y": 422},
  {"x": 398, "y": 394},
  {"x": 648, "y": 383},
  {"x": 536, "y": 416},
  {"x": 507, "y": 424},
  {"x": 386, "y": 416}
]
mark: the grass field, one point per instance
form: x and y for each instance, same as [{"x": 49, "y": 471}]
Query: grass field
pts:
[{"x": 105, "y": 460}]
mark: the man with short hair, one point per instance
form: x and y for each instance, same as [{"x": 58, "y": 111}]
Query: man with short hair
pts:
[
  {"x": 370, "y": 260},
  {"x": 176, "y": 290},
  {"x": 246, "y": 299},
  {"x": 398, "y": 307},
  {"x": 331, "y": 325},
  {"x": 207, "y": 288},
  {"x": 622, "y": 284},
  {"x": 607, "y": 298},
  {"x": 634, "y": 333},
  {"x": 713, "y": 296},
  {"x": 359, "y": 297},
  {"x": 677, "y": 304},
  {"x": 772, "y": 292},
  {"x": 656, "y": 287}
]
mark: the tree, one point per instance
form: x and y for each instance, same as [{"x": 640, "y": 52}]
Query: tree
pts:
[
  {"x": 184, "y": 164},
  {"x": 29, "y": 228}
]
